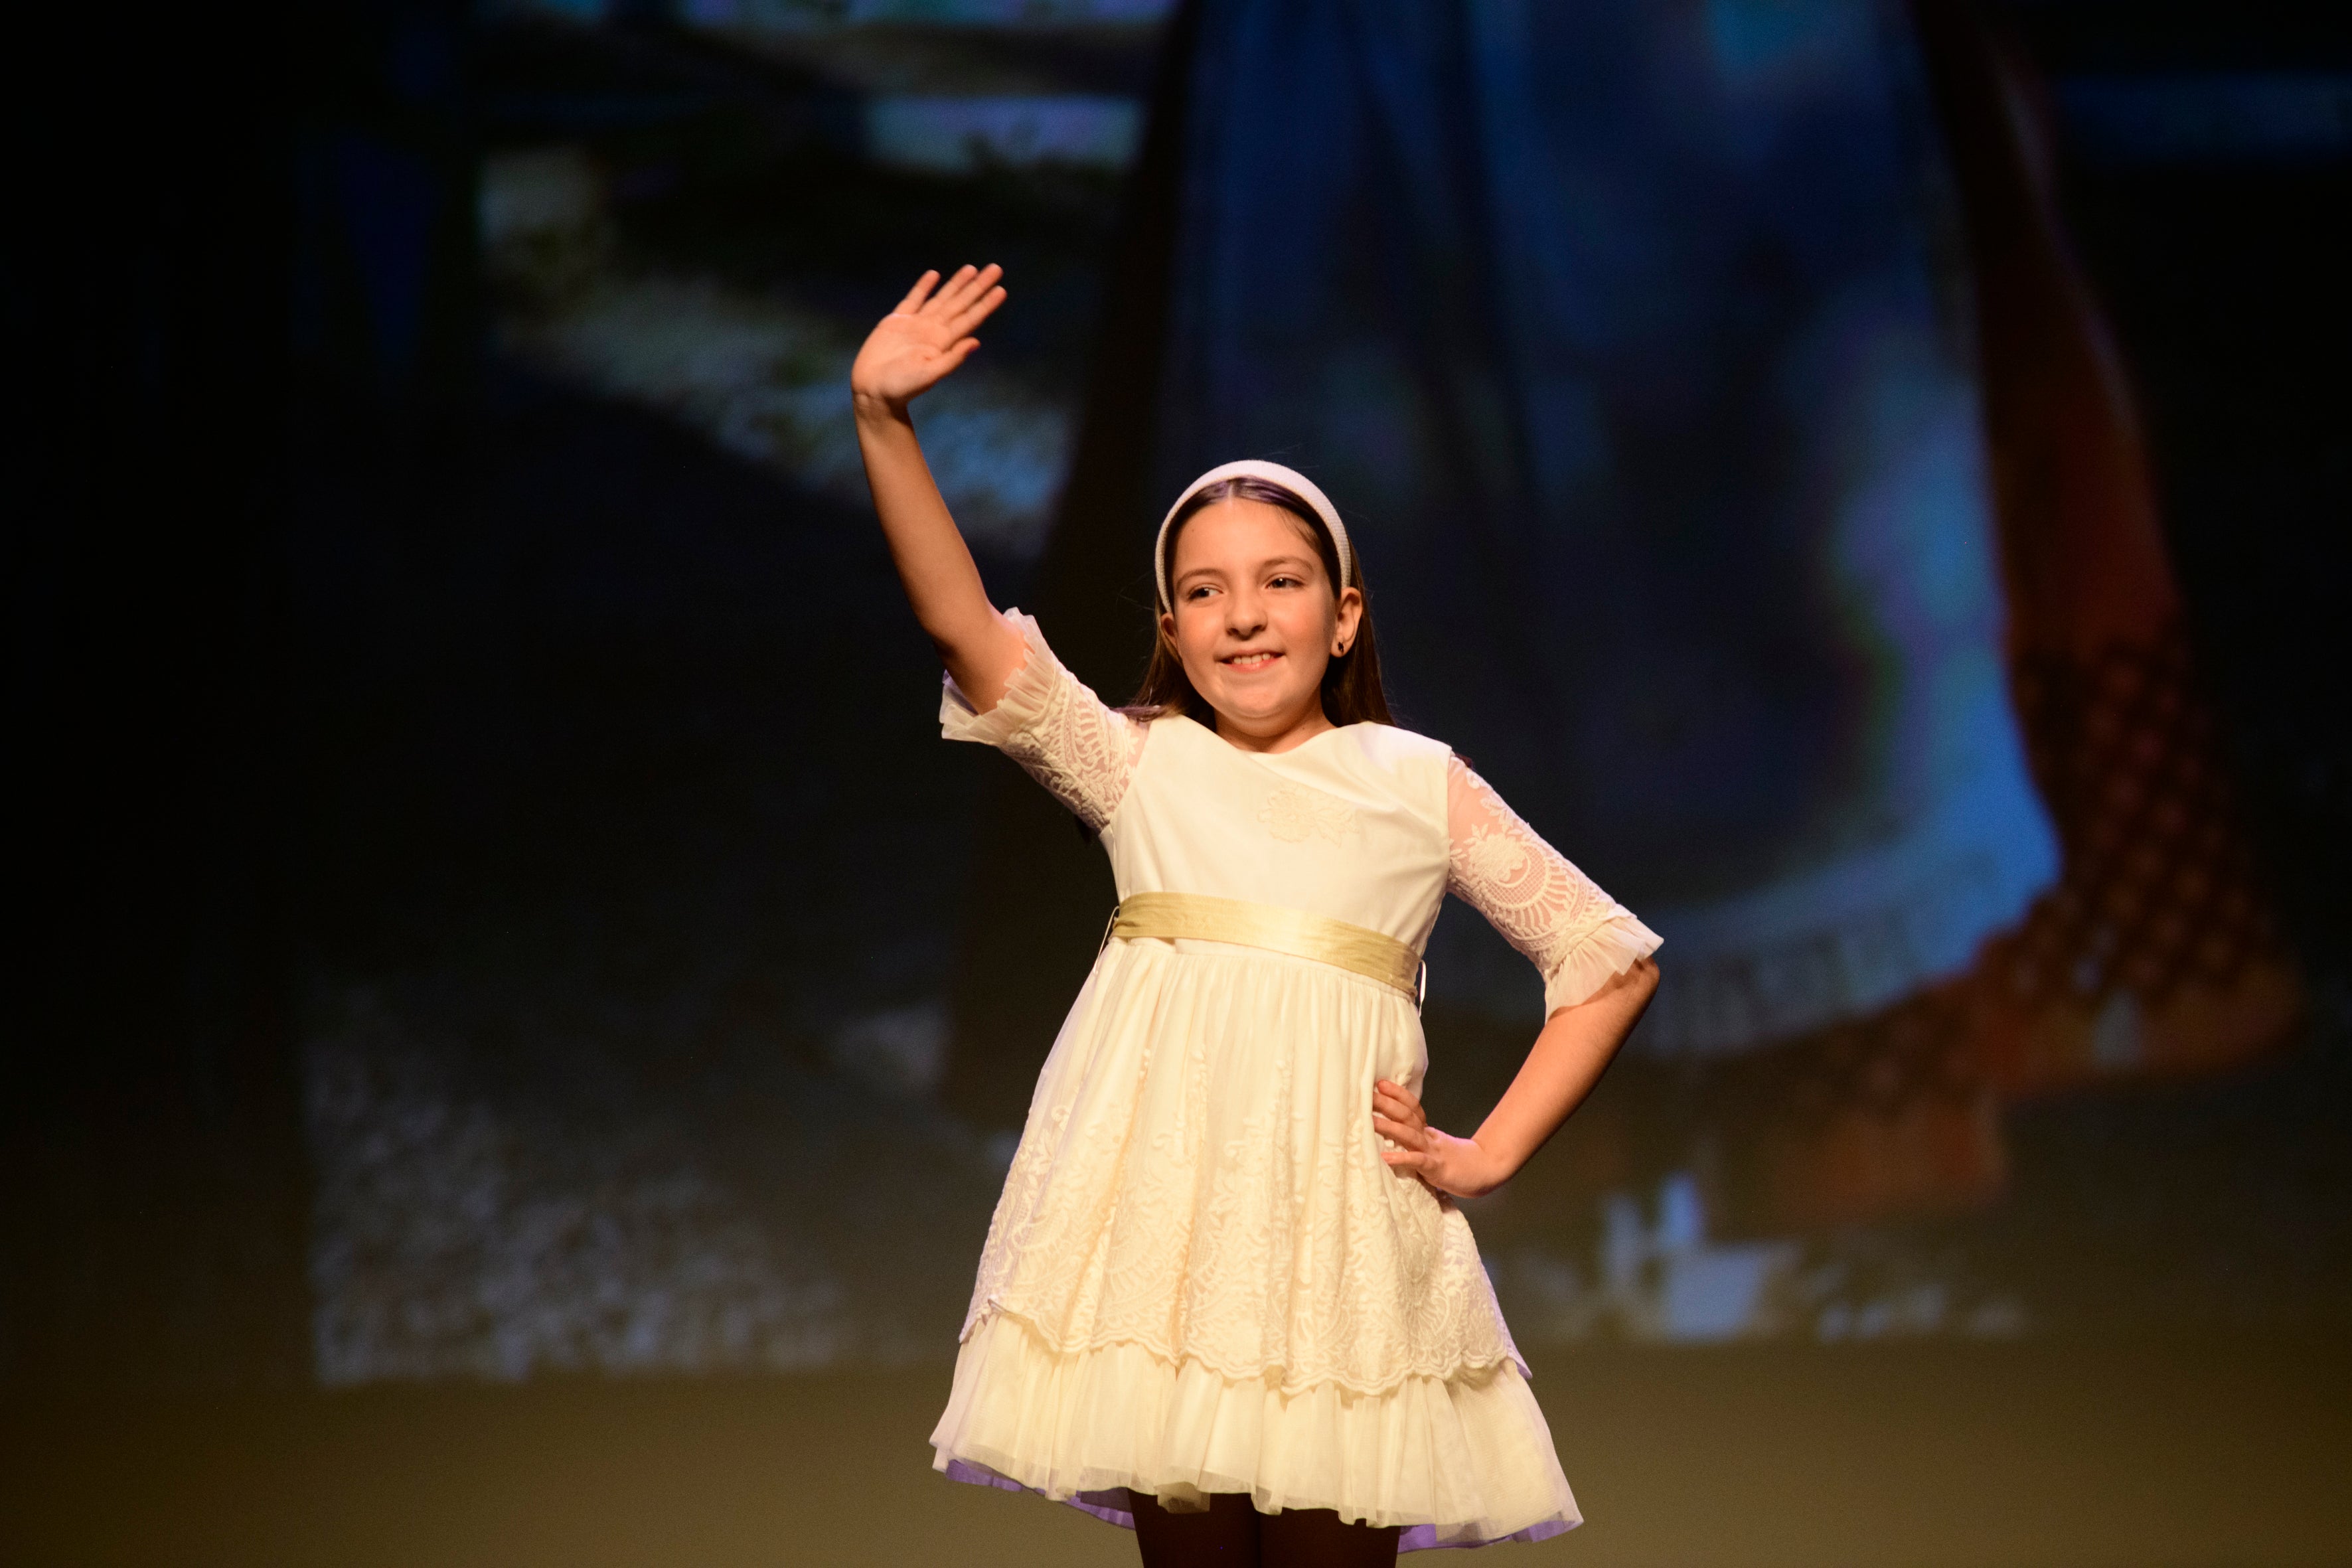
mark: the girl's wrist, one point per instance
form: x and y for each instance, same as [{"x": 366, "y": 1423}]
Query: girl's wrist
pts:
[
  {"x": 874, "y": 409},
  {"x": 1493, "y": 1170}
]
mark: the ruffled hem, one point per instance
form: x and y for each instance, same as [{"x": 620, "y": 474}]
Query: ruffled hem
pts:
[
  {"x": 1607, "y": 951},
  {"x": 1281, "y": 1380},
  {"x": 1025, "y": 697},
  {"x": 1465, "y": 1461}
]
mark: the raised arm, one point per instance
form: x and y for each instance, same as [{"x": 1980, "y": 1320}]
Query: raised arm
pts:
[{"x": 910, "y": 350}]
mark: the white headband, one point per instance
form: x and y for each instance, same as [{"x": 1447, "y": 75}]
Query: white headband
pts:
[{"x": 1291, "y": 479}]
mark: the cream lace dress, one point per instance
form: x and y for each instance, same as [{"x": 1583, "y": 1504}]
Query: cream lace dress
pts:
[{"x": 1200, "y": 1277}]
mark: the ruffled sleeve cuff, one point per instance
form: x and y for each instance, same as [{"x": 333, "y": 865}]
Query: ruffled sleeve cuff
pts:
[
  {"x": 1026, "y": 696},
  {"x": 1603, "y": 953}
]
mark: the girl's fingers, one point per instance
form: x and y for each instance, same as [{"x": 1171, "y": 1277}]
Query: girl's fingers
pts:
[
  {"x": 970, "y": 285},
  {"x": 956, "y": 290},
  {"x": 1420, "y": 1167},
  {"x": 940, "y": 298},
  {"x": 914, "y": 299},
  {"x": 1397, "y": 1131},
  {"x": 954, "y": 298},
  {"x": 977, "y": 311}
]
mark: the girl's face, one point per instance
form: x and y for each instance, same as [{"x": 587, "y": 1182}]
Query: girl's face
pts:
[{"x": 1255, "y": 621}]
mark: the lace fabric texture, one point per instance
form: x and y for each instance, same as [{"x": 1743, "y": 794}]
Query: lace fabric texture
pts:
[
  {"x": 1061, "y": 733},
  {"x": 1192, "y": 1182},
  {"x": 1199, "y": 1275},
  {"x": 1577, "y": 936},
  {"x": 1085, "y": 754}
]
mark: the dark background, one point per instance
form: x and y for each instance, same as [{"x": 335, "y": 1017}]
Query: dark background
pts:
[{"x": 434, "y": 768}]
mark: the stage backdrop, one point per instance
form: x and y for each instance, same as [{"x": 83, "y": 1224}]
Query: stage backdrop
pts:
[{"x": 667, "y": 987}]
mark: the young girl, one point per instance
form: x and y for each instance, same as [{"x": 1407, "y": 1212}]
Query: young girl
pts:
[{"x": 1227, "y": 1298}]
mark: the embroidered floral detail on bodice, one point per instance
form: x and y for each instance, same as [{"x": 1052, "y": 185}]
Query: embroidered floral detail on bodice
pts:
[{"x": 1294, "y": 815}]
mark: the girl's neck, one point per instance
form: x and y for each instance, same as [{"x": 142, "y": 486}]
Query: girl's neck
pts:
[{"x": 1274, "y": 736}]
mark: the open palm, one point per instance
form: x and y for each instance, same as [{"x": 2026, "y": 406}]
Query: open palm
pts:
[{"x": 928, "y": 335}]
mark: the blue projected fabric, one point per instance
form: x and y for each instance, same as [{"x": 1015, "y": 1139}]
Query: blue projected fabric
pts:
[{"x": 1630, "y": 336}]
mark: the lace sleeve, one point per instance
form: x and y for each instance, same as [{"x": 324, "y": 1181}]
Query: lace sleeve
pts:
[
  {"x": 1578, "y": 936},
  {"x": 1056, "y": 729}
]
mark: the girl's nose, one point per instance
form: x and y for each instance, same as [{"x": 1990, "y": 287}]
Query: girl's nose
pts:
[{"x": 1245, "y": 616}]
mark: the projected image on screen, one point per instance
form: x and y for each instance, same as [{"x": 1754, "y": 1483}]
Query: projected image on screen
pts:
[{"x": 1742, "y": 465}]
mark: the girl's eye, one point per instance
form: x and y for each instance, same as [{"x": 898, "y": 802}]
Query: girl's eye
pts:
[{"x": 1283, "y": 583}]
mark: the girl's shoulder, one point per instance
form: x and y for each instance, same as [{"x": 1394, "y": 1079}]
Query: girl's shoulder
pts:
[
  {"x": 1412, "y": 766},
  {"x": 1387, "y": 745}
]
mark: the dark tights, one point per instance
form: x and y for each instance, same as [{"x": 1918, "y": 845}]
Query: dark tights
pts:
[{"x": 1233, "y": 1534}]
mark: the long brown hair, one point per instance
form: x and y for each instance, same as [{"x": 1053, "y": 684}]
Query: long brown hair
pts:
[{"x": 1352, "y": 693}]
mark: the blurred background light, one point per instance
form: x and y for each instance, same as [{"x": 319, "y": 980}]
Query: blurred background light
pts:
[{"x": 511, "y": 950}]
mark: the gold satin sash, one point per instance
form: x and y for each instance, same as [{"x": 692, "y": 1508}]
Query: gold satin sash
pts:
[{"x": 1177, "y": 916}]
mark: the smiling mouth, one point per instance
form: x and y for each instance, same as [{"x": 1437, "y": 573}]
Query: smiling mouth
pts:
[{"x": 1257, "y": 658}]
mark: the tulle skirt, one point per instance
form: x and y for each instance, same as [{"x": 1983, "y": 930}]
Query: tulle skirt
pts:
[
  {"x": 1460, "y": 1462},
  {"x": 1201, "y": 1279},
  {"x": 1199, "y": 1175}
]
